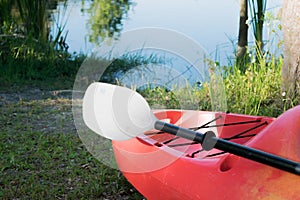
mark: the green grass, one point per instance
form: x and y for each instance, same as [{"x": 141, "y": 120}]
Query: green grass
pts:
[
  {"x": 42, "y": 160},
  {"x": 36, "y": 165}
]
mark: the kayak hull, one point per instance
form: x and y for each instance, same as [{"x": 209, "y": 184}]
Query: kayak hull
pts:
[{"x": 162, "y": 167}]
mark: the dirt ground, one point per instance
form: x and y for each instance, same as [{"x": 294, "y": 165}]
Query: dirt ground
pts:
[{"x": 38, "y": 110}]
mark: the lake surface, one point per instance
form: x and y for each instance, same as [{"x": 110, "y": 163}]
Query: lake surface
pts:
[{"x": 213, "y": 24}]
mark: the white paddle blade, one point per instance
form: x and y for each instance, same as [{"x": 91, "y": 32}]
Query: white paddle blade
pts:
[{"x": 115, "y": 112}]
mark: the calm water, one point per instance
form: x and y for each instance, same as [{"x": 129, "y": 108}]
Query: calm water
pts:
[{"x": 213, "y": 23}]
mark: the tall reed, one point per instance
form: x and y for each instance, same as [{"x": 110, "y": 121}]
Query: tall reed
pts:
[
  {"x": 257, "y": 13},
  {"x": 34, "y": 16},
  {"x": 258, "y": 90}
]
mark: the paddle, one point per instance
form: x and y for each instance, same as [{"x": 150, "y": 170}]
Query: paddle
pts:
[{"x": 119, "y": 113}]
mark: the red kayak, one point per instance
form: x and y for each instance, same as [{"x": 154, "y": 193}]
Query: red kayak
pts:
[{"x": 163, "y": 166}]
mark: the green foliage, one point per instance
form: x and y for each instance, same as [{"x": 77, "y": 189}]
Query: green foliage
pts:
[
  {"x": 31, "y": 19},
  {"x": 27, "y": 53},
  {"x": 5, "y": 14},
  {"x": 26, "y": 60}
]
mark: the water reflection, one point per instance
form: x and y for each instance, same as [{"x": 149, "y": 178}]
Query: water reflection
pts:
[
  {"x": 214, "y": 24},
  {"x": 45, "y": 20},
  {"x": 106, "y": 18},
  {"x": 84, "y": 23}
]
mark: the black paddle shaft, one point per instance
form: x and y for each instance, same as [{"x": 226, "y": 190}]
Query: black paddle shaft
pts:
[{"x": 209, "y": 141}]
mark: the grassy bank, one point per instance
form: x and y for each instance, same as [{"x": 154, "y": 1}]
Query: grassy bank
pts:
[{"x": 257, "y": 91}]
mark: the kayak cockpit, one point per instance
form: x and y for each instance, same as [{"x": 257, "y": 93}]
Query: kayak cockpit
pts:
[{"x": 236, "y": 128}]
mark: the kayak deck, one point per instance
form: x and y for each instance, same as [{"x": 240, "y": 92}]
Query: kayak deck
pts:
[{"x": 163, "y": 166}]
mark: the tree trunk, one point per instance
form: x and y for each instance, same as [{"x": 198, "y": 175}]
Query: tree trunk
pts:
[
  {"x": 291, "y": 35},
  {"x": 243, "y": 31}
]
